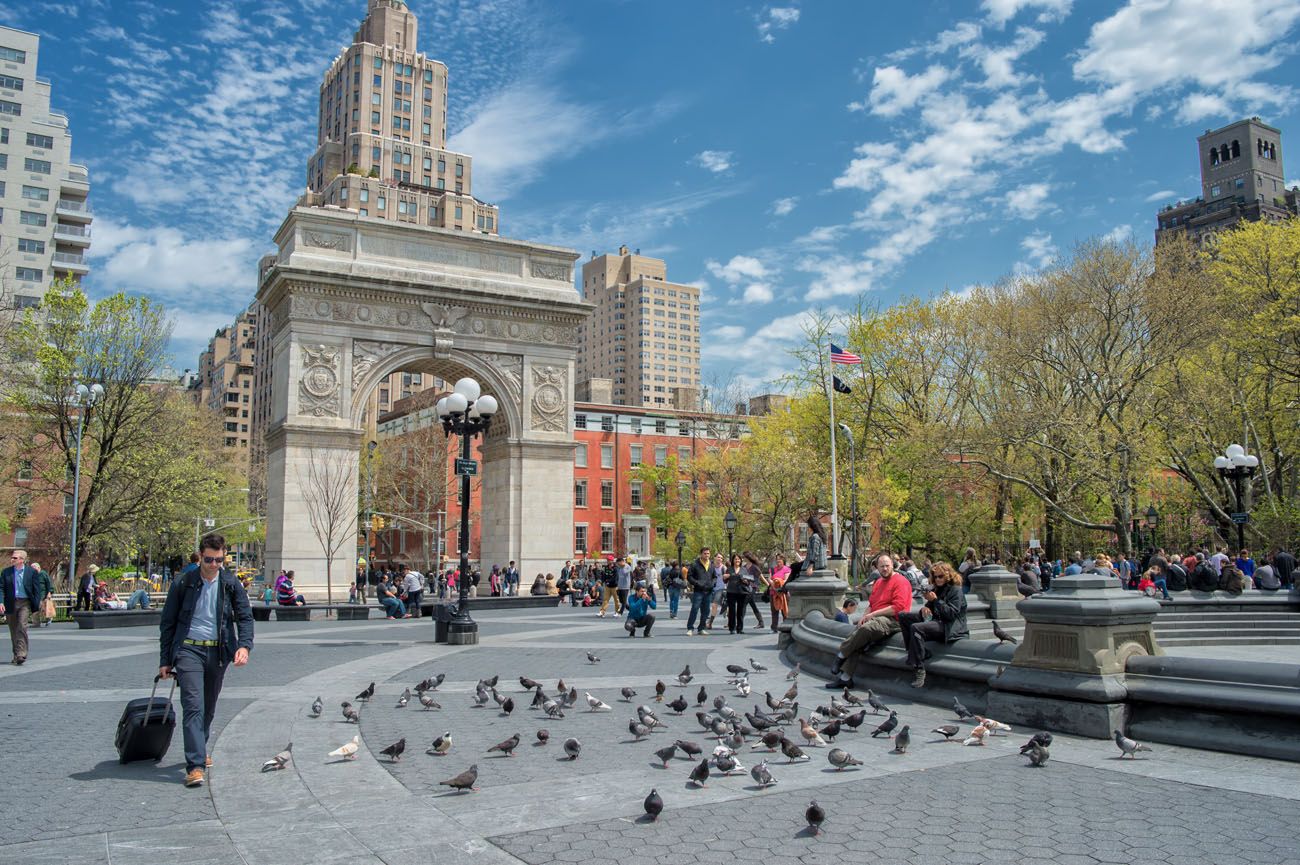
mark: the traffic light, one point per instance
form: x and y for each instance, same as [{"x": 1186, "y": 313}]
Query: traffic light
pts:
[{"x": 377, "y": 522}]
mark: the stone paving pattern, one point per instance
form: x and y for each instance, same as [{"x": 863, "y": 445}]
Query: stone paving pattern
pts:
[{"x": 941, "y": 802}]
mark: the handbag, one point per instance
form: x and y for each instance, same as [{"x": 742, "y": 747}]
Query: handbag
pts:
[
  {"x": 47, "y": 607},
  {"x": 767, "y": 595}
]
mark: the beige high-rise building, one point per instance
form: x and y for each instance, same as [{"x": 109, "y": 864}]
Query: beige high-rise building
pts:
[
  {"x": 645, "y": 333},
  {"x": 382, "y": 135},
  {"x": 225, "y": 383},
  {"x": 46, "y": 218}
]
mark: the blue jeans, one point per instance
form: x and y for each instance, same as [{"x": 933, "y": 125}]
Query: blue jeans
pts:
[
  {"x": 699, "y": 606},
  {"x": 674, "y": 598},
  {"x": 394, "y": 606},
  {"x": 199, "y": 674},
  {"x": 138, "y": 597},
  {"x": 1164, "y": 590}
]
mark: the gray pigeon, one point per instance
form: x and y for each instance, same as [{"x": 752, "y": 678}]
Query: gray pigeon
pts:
[
  {"x": 394, "y": 751},
  {"x": 428, "y": 702},
  {"x": 507, "y": 747},
  {"x": 528, "y": 684},
  {"x": 902, "y": 740},
  {"x": 543, "y": 736},
  {"x": 1038, "y": 754},
  {"x": 653, "y": 805},
  {"x": 816, "y": 816},
  {"x": 1003, "y": 636},
  {"x": 963, "y": 714},
  {"x": 592, "y": 659},
  {"x": 404, "y": 699},
  {"x": 1127, "y": 746},
  {"x": 688, "y": 748},
  {"x": 792, "y": 751},
  {"x": 841, "y": 759},
  {"x": 887, "y": 727},
  {"x": 876, "y": 706},
  {"x": 762, "y": 775},
  {"x": 351, "y": 714},
  {"x": 700, "y": 773},
  {"x": 757, "y": 667},
  {"x": 627, "y": 693},
  {"x": 464, "y": 781},
  {"x": 317, "y": 707},
  {"x": 727, "y": 763},
  {"x": 572, "y": 748},
  {"x": 637, "y": 729},
  {"x": 772, "y": 740},
  {"x": 280, "y": 760},
  {"x": 1044, "y": 739},
  {"x": 947, "y": 731},
  {"x": 666, "y": 753},
  {"x": 539, "y": 698},
  {"x": 794, "y": 673}
]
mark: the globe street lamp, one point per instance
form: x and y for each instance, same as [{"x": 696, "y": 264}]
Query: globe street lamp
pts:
[
  {"x": 1236, "y": 465},
  {"x": 82, "y": 397},
  {"x": 1153, "y": 520},
  {"x": 730, "y": 522},
  {"x": 681, "y": 542},
  {"x": 465, "y": 413}
]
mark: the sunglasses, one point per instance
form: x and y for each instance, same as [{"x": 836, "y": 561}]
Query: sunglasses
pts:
[{"x": 213, "y": 560}]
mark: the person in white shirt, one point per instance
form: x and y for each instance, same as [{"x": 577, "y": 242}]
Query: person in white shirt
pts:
[{"x": 413, "y": 589}]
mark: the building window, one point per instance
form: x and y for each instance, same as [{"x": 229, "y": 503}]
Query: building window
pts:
[
  {"x": 459, "y": 212},
  {"x": 683, "y": 456},
  {"x": 29, "y": 274},
  {"x": 661, "y": 426},
  {"x": 579, "y": 421},
  {"x": 23, "y": 505},
  {"x": 634, "y": 454},
  {"x": 1214, "y": 191},
  {"x": 580, "y": 539},
  {"x": 29, "y": 218},
  {"x": 684, "y": 428},
  {"x": 607, "y": 423},
  {"x": 11, "y": 108},
  {"x": 636, "y": 494},
  {"x": 579, "y": 494},
  {"x": 26, "y": 244},
  {"x": 36, "y": 166},
  {"x": 24, "y": 470},
  {"x": 36, "y": 193},
  {"x": 607, "y": 538},
  {"x": 9, "y": 82},
  {"x": 661, "y": 455},
  {"x": 606, "y": 495},
  {"x": 606, "y": 456},
  {"x": 580, "y": 456},
  {"x": 13, "y": 55}
]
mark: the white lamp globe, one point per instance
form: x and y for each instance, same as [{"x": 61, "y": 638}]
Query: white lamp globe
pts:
[
  {"x": 473, "y": 410},
  {"x": 1235, "y": 451},
  {"x": 468, "y": 388},
  {"x": 1251, "y": 461},
  {"x": 457, "y": 403},
  {"x": 441, "y": 408},
  {"x": 486, "y": 405},
  {"x": 1222, "y": 462}
]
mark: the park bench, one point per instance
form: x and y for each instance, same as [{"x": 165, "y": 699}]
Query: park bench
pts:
[{"x": 93, "y": 619}]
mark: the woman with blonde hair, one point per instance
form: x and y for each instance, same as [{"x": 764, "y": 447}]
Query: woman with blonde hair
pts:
[{"x": 942, "y": 618}]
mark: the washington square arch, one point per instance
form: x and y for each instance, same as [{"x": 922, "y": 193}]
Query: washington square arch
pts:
[{"x": 352, "y": 299}]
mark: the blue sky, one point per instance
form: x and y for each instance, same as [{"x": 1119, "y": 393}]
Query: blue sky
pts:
[{"x": 786, "y": 157}]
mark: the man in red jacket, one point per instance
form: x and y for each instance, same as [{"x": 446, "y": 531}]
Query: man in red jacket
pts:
[{"x": 891, "y": 595}]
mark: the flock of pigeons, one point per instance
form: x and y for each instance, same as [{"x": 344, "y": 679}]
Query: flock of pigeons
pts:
[{"x": 732, "y": 728}]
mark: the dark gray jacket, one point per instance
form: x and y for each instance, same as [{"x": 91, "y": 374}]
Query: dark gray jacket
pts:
[
  {"x": 949, "y": 608},
  {"x": 233, "y": 611}
]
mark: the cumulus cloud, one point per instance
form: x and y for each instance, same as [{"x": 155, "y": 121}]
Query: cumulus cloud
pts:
[
  {"x": 740, "y": 268},
  {"x": 1162, "y": 195},
  {"x": 716, "y": 161},
  {"x": 1040, "y": 252},
  {"x": 1028, "y": 201},
  {"x": 775, "y": 18},
  {"x": 784, "y": 206},
  {"x": 1119, "y": 234},
  {"x": 758, "y": 292},
  {"x": 1001, "y": 11},
  {"x": 1198, "y": 106},
  {"x": 893, "y": 91},
  {"x": 165, "y": 262}
]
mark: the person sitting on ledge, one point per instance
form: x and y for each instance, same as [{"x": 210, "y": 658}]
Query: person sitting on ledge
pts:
[
  {"x": 942, "y": 618},
  {"x": 1204, "y": 578},
  {"x": 1151, "y": 580},
  {"x": 539, "y": 585},
  {"x": 1027, "y": 581},
  {"x": 1232, "y": 580},
  {"x": 139, "y": 598},
  {"x": 1266, "y": 578},
  {"x": 891, "y": 595},
  {"x": 285, "y": 595},
  {"x": 638, "y": 611},
  {"x": 387, "y": 596},
  {"x": 846, "y": 612}
]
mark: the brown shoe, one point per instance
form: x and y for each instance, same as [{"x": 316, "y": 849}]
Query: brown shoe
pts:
[
  {"x": 194, "y": 778},
  {"x": 207, "y": 761}
]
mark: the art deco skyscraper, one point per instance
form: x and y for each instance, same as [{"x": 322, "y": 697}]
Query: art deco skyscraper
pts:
[{"x": 382, "y": 136}]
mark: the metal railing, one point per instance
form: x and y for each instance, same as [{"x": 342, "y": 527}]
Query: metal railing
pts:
[{"x": 74, "y": 206}]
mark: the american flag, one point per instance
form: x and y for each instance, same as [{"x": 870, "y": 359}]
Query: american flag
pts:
[{"x": 839, "y": 355}]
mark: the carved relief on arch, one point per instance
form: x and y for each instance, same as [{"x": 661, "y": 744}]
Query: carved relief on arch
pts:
[
  {"x": 365, "y": 355},
  {"x": 550, "y": 405},
  {"x": 319, "y": 387},
  {"x": 511, "y": 369}
]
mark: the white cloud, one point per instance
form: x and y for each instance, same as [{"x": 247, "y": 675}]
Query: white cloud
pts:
[
  {"x": 166, "y": 263},
  {"x": 1028, "y": 201},
  {"x": 758, "y": 292},
  {"x": 1040, "y": 250},
  {"x": 740, "y": 268},
  {"x": 1198, "y": 106},
  {"x": 1162, "y": 195},
  {"x": 1001, "y": 11},
  {"x": 998, "y": 62},
  {"x": 1119, "y": 234},
  {"x": 784, "y": 206},
  {"x": 727, "y": 331},
  {"x": 716, "y": 161},
  {"x": 893, "y": 91},
  {"x": 776, "y": 18}
]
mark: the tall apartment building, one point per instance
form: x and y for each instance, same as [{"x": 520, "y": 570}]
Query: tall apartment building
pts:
[
  {"x": 382, "y": 136},
  {"x": 1241, "y": 178},
  {"x": 44, "y": 216},
  {"x": 225, "y": 383},
  {"x": 645, "y": 333}
]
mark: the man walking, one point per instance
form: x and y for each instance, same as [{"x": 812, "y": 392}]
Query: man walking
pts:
[
  {"x": 21, "y": 596},
  {"x": 86, "y": 589},
  {"x": 890, "y": 596},
  {"x": 1284, "y": 567},
  {"x": 624, "y": 573},
  {"x": 700, "y": 579},
  {"x": 206, "y": 624}
]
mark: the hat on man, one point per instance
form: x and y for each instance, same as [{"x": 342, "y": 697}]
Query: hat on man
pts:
[{"x": 93, "y": 569}]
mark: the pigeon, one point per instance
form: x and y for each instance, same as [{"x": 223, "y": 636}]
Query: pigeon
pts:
[
  {"x": 737, "y": 670},
  {"x": 508, "y": 706},
  {"x": 539, "y": 698},
  {"x": 1003, "y": 636},
  {"x": 686, "y": 671},
  {"x": 729, "y": 713},
  {"x": 794, "y": 673},
  {"x": 757, "y": 721},
  {"x": 1043, "y": 739},
  {"x": 679, "y": 705},
  {"x": 351, "y": 714},
  {"x": 887, "y": 727},
  {"x": 481, "y": 698},
  {"x": 570, "y": 698},
  {"x": 690, "y": 749},
  {"x": 700, "y": 773},
  {"x": 876, "y": 706},
  {"x": 648, "y": 717},
  {"x": 430, "y": 684},
  {"x": 811, "y": 736},
  {"x": 365, "y": 695},
  {"x": 394, "y": 751},
  {"x": 498, "y": 697},
  {"x": 543, "y": 736},
  {"x": 789, "y": 713},
  {"x": 553, "y": 709},
  {"x": 404, "y": 699},
  {"x": 841, "y": 759},
  {"x": 1127, "y": 746},
  {"x": 856, "y": 720},
  {"x": 280, "y": 760},
  {"x": 771, "y": 740},
  {"x": 572, "y": 747},
  {"x": 756, "y": 666},
  {"x": 744, "y": 688},
  {"x": 702, "y": 697},
  {"x": 772, "y": 702},
  {"x": 902, "y": 740},
  {"x": 637, "y": 729},
  {"x": 947, "y": 731},
  {"x": 830, "y": 731},
  {"x": 684, "y": 679},
  {"x": 492, "y": 682},
  {"x": 963, "y": 714},
  {"x": 816, "y": 816},
  {"x": 719, "y": 701},
  {"x": 976, "y": 736},
  {"x": 348, "y": 751},
  {"x": 727, "y": 762},
  {"x": 660, "y": 688},
  {"x": 653, "y": 805},
  {"x": 441, "y": 745},
  {"x": 721, "y": 728},
  {"x": 994, "y": 727},
  {"x": 628, "y": 694},
  {"x": 792, "y": 751},
  {"x": 592, "y": 659},
  {"x": 851, "y": 698},
  {"x": 316, "y": 708},
  {"x": 528, "y": 684},
  {"x": 1037, "y": 754},
  {"x": 596, "y": 704},
  {"x": 507, "y": 747},
  {"x": 429, "y": 703},
  {"x": 762, "y": 775},
  {"x": 792, "y": 694},
  {"x": 560, "y": 687},
  {"x": 666, "y": 753},
  {"x": 464, "y": 781}
]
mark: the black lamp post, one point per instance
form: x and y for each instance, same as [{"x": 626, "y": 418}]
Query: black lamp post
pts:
[
  {"x": 1153, "y": 519},
  {"x": 730, "y": 522},
  {"x": 1236, "y": 465},
  {"x": 467, "y": 414},
  {"x": 681, "y": 542}
]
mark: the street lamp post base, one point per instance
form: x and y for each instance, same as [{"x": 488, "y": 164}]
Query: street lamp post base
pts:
[{"x": 462, "y": 632}]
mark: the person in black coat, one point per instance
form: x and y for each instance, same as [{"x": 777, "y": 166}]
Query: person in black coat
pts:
[
  {"x": 740, "y": 587},
  {"x": 942, "y": 618},
  {"x": 1203, "y": 578}
]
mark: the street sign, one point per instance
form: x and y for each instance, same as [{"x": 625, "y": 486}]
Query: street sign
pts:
[
  {"x": 466, "y": 467},
  {"x": 1240, "y": 519}
]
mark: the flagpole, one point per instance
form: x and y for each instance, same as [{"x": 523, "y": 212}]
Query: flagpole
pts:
[{"x": 835, "y": 494}]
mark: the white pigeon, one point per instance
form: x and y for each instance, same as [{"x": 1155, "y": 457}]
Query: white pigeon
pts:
[
  {"x": 280, "y": 760},
  {"x": 348, "y": 751},
  {"x": 744, "y": 688},
  {"x": 977, "y": 735},
  {"x": 316, "y": 708},
  {"x": 994, "y": 727},
  {"x": 595, "y": 703}
]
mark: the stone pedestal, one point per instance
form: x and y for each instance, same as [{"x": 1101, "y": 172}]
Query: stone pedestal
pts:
[
  {"x": 821, "y": 590},
  {"x": 840, "y": 565},
  {"x": 1068, "y": 673},
  {"x": 995, "y": 585}
]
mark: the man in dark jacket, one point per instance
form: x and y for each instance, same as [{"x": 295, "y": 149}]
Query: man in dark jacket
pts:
[
  {"x": 1284, "y": 566},
  {"x": 1204, "y": 578},
  {"x": 1175, "y": 576},
  {"x": 700, "y": 579},
  {"x": 198, "y": 640},
  {"x": 22, "y": 595}
]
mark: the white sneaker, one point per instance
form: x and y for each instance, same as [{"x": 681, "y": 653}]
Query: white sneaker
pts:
[
  {"x": 690, "y": 632},
  {"x": 703, "y": 633}
]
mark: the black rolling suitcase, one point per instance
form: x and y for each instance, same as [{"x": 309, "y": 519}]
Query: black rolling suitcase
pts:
[{"x": 145, "y": 731}]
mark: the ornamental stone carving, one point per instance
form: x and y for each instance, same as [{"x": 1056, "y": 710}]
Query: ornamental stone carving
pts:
[
  {"x": 327, "y": 240},
  {"x": 550, "y": 397},
  {"x": 318, "y": 389},
  {"x": 550, "y": 270},
  {"x": 444, "y": 317},
  {"x": 365, "y": 354},
  {"x": 511, "y": 368}
]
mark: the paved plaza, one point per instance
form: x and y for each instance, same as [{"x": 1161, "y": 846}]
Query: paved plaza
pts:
[{"x": 69, "y": 801}]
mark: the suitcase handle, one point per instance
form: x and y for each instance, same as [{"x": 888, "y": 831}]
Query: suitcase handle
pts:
[{"x": 172, "y": 693}]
